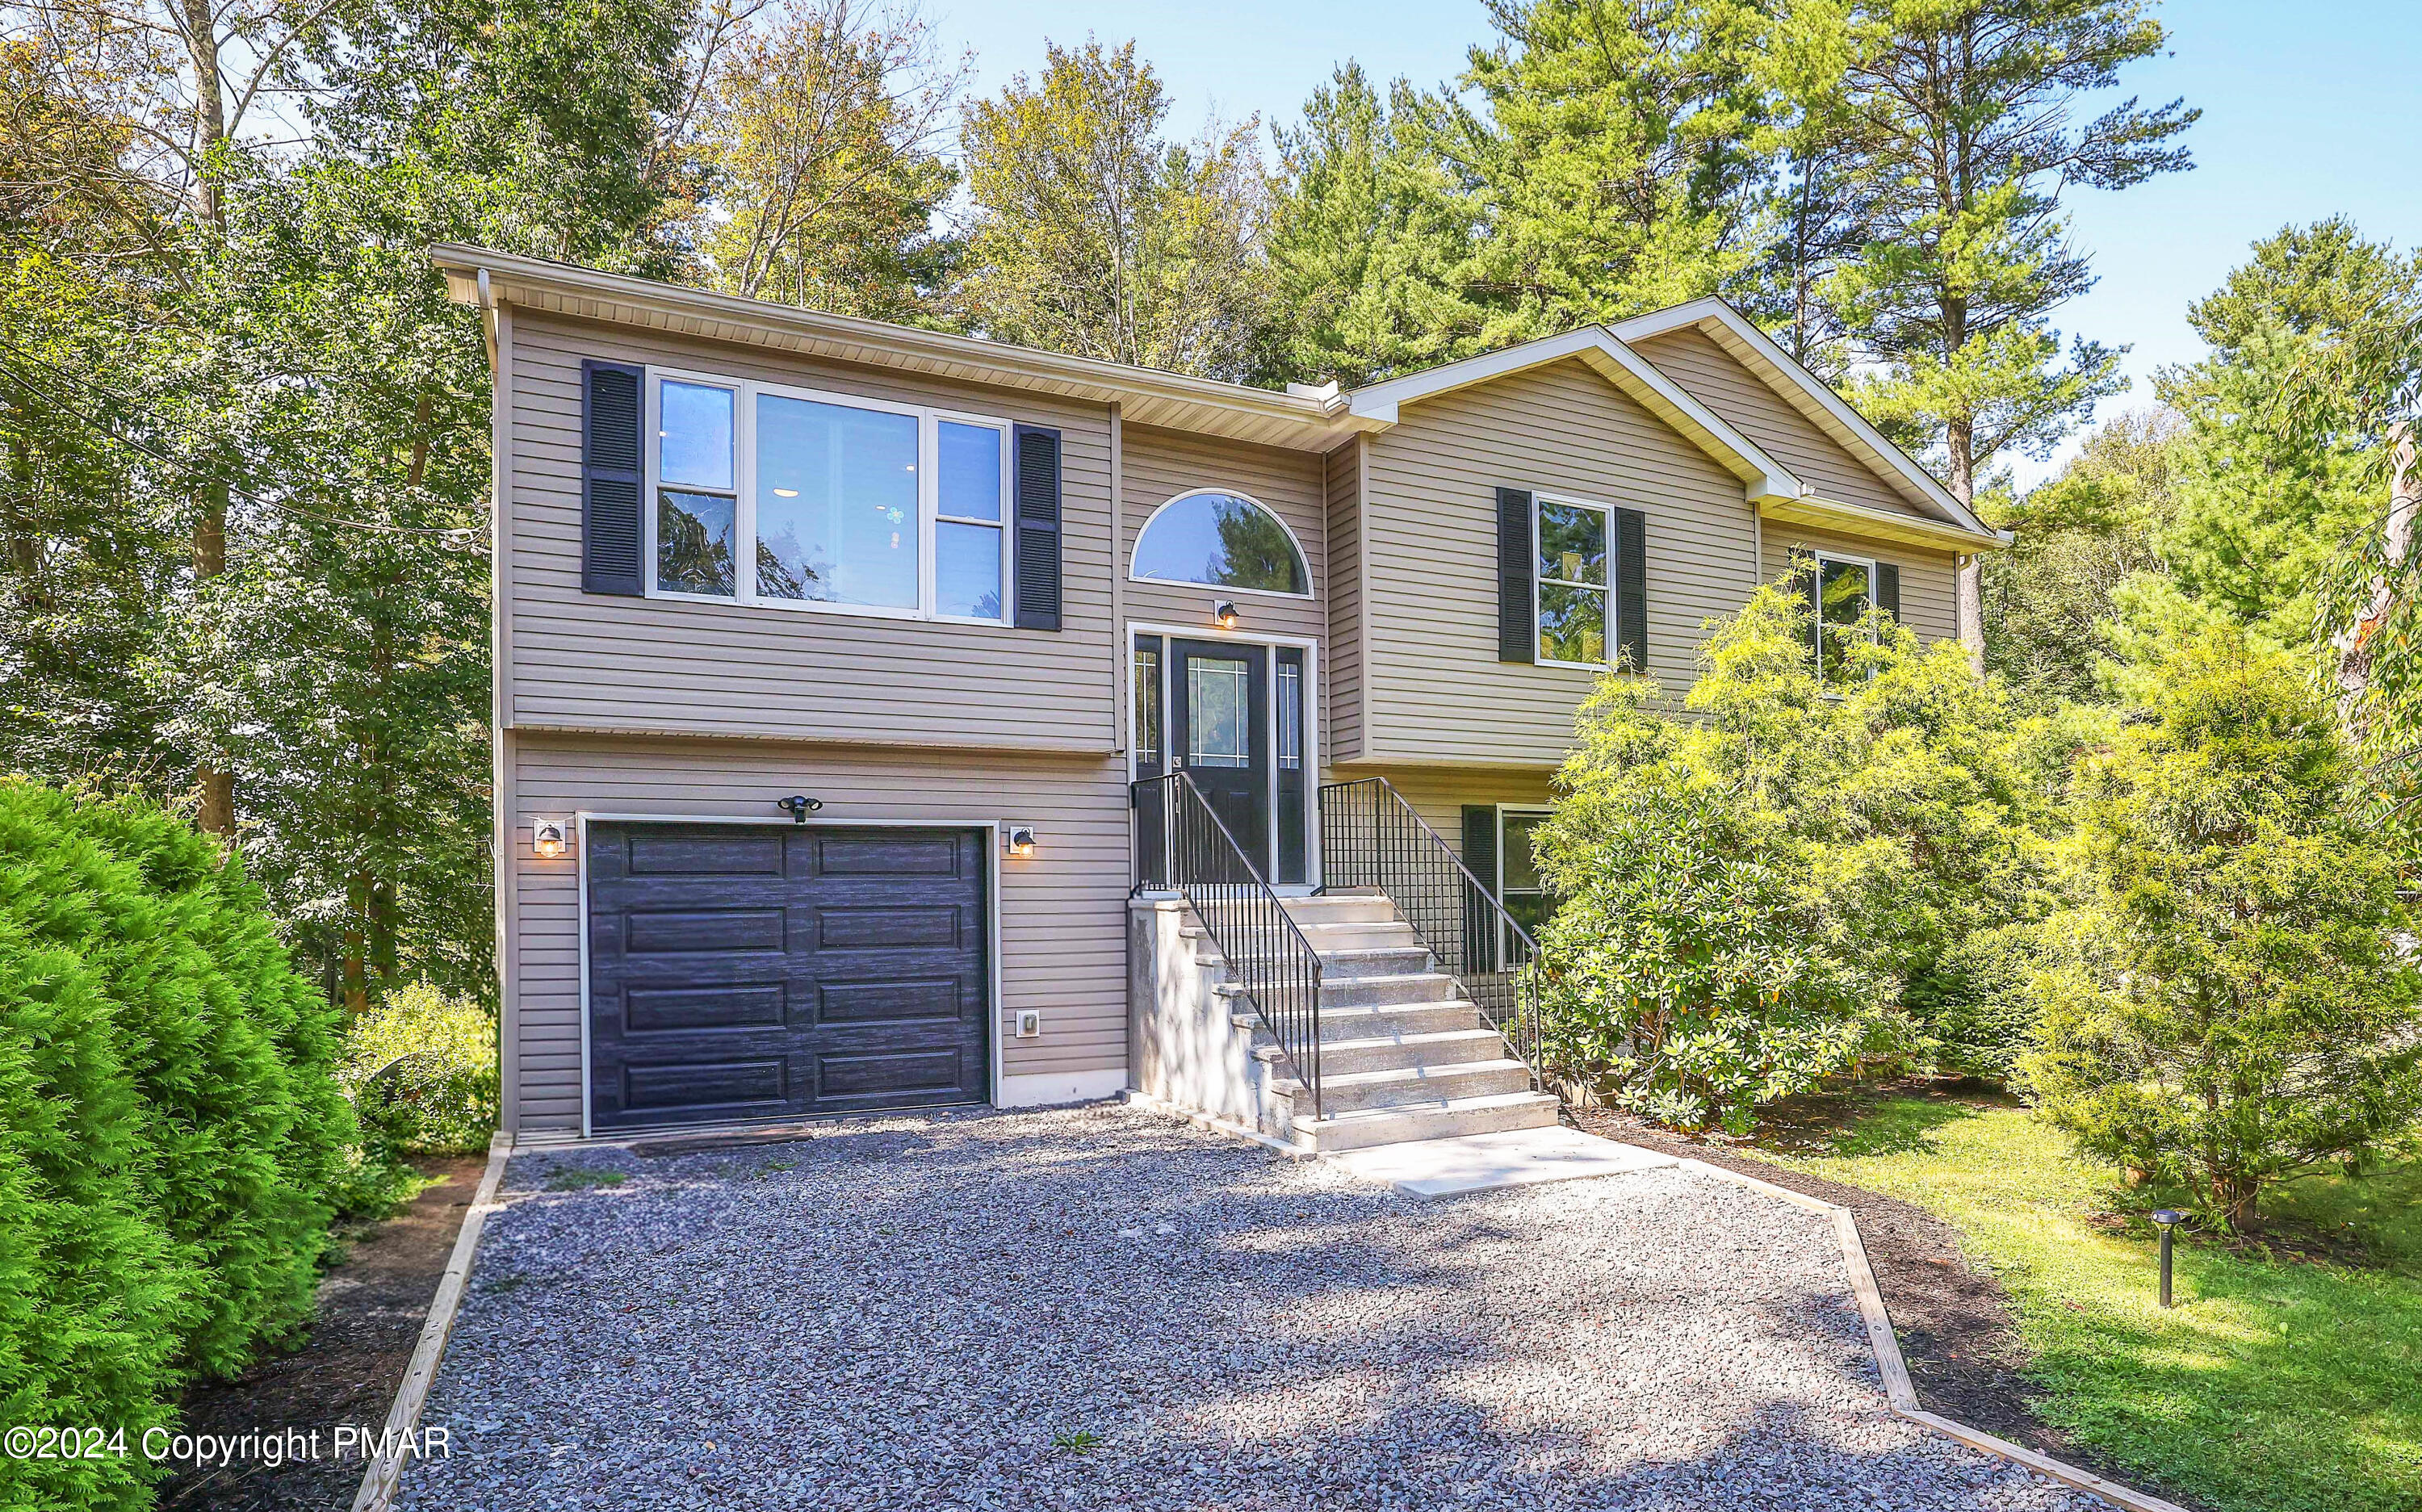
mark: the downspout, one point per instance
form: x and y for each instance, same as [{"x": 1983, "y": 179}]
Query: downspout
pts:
[{"x": 501, "y": 829}]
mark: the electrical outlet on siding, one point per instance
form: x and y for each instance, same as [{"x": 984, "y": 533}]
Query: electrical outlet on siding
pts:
[{"x": 1030, "y": 1023}]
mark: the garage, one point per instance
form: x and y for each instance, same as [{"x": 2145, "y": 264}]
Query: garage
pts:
[{"x": 754, "y": 972}]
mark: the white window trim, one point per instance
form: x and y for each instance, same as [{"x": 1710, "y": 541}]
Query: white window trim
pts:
[
  {"x": 1504, "y": 942},
  {"x": 1606, "y": 514},
  {"x": 929, "y": 420},
  {"x": 1518, "y": 811},
  {"x": 1817, "y": 609},
  {"x": 1302, "y": 557}
]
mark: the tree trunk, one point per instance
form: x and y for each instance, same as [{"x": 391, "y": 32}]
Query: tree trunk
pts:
[
  {"x": 2354, "y": 641},
  {"x": 216, "y": 784}
]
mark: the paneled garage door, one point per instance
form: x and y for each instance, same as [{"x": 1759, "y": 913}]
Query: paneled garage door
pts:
[{"x": 741, "y": 971}]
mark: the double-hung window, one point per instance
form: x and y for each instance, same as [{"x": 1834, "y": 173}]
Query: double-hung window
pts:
[
  {"x": 785, "y": 498},
  {"x": 1845, "y": 587},
  {"x": 1519, "y": 886},
  {"x": 1576, "y": 602}
]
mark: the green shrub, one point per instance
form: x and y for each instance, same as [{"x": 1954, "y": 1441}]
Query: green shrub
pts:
[
  {"x": 1976, "y": 1005},
  {"x": 1683, "y": 975},
  {"x": 1747, "y": 883},
  {"x": 422, "y": 1069},
  {"x": 169, "y": 1128}
]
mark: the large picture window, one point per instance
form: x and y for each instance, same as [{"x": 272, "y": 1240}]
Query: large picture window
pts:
[
  {"x": 1576, "y": 603},
  {"x": 780, "y": 497},
  {"x": 1221, "y": 540}
]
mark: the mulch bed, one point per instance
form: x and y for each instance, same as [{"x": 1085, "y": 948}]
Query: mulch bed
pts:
[
  {"x": 371, "y": 1310},
  {"x": 1952, "y": 1317}
]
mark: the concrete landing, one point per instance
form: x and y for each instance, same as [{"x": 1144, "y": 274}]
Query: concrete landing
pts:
[{"x": 1481, "y": 1162}]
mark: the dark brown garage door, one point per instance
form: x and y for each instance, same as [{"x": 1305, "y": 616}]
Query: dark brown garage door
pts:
[{"x": 741, "y": 971}]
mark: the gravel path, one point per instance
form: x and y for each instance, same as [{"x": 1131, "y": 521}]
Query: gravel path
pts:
[{"x": 1102, "y": 1308}]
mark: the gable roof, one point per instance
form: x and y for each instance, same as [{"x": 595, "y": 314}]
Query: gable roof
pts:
[
  {"x": 1306, "y": 420},
  {"x": 1762, "y": 476},
  {"x": 1299, "y": 418},
  {"x": 1812, "y": 396}
]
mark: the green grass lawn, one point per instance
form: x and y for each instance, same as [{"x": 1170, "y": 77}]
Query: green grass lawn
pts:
[{"x": 2274, "y": 1386}]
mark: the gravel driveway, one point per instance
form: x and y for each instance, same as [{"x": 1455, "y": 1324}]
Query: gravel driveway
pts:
[{"x": 1105, "y": 1308}]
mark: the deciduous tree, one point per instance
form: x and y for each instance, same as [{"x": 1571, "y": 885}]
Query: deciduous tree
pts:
[
  {"x": 1094, "y": 233},
  {"x": 816, "y": 135}
]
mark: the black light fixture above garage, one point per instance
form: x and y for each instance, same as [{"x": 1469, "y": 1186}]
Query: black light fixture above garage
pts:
[
  {"x": 1223, "y": 613},
  {"x": 798, "y": 806}
]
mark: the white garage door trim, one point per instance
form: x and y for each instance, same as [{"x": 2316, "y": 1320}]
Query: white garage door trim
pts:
[{"x": 989, "y": 828}]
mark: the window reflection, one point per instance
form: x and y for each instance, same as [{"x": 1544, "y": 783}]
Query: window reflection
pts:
[
  {"x": 836, "y": 503},
  {"x": 694, "y": 533},
  {"x": 1221, "y": 540},
  {"x": 1843, "y": 595}
]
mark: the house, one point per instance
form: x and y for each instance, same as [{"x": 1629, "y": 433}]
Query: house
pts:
[{"x": 859, "y": 687}]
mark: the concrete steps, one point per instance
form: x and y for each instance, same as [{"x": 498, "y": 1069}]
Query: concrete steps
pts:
[
  {"x": 1434, "y": 1120},
  {"x": 1404, "y": 1055}
]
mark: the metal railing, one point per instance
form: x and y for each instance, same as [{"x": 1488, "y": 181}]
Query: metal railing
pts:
[
  {"x": 1370, "y": 837},
  {"x": 1185, "y": 847}
]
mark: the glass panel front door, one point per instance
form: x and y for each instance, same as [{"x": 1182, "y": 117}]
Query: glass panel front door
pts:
[
  {"x": 1219, "y": 730},
  {"x": 1236, "y": 716}
]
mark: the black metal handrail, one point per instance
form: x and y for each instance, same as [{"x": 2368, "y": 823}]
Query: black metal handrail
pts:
[
  {"x": 1370, "y": 837},
  {"x": 1272, "y": 963}
]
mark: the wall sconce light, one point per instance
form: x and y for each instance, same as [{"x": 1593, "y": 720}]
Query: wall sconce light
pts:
[
  {"x": 1018, "y": 841},
  {"x": 550, "y": 838},
  {"x": 1224, "y": 614}
]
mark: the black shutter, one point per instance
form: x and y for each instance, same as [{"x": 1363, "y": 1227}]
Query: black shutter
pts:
[
  {"x": 1518, "y": 579},
  {"x": 1480, "y": 855},
  {"x": 1036, "y": 454},
  {"x": 1888, "y": 589},
  {"x": 1631, "y": 588},
  {"x": 610, "y": 462}
]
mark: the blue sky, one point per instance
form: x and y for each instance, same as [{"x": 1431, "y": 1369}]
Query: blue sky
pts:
[{"x": 2310, "y": 109}]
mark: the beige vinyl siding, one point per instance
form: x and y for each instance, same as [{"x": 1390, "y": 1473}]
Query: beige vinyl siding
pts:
[
  {"x": 1438, "y": 794},
  {"x": 1160, "y": 464},
  {"x": 1344, "y": 685},
  {"x": 1436, "y": 691},
  {"x": 1063, "y": 915},
  {"x": 586, "y": 661},
  {"x": 1929, "y": 600},
  {"x": 1710, "y": 374}
]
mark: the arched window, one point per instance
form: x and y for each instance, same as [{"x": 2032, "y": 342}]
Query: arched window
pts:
[{"x": 1220, "y": 540}]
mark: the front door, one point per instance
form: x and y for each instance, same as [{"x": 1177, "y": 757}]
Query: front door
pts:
[{"x": 1219, "y": 732}]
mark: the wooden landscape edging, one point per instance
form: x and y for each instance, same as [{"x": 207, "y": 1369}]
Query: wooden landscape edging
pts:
[
  {"x": 385, "y": 1471},
  {"x": 1898, "y": 1392}
]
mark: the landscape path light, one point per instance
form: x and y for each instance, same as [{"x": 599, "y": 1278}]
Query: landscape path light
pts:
[{"x": 2169, "y": 1218}]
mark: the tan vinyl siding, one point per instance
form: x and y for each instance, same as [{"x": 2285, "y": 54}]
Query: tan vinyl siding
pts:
[
  {"x": 1709, "y": 374},
  {"x": 1345, "y": 682},
  {"x": 1063, "y": 915},
  {"x": 1162, "y": 464},
  {"x": 600, "y": 662},
  {"x": 1930, "y": 599},
  {"x": 1436, "y": 691},
  {"x": 1438, "y": 794}
]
